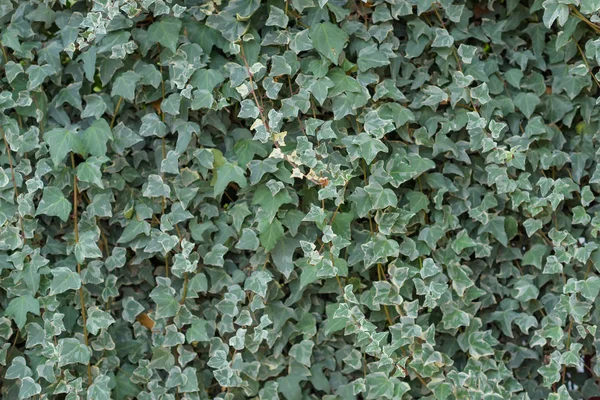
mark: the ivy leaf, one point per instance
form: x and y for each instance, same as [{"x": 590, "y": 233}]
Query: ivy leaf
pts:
[
  {"x": 97, "y": 320},
  {"x": 131, "y": 309},
  {"x": 226, "y": 174},
  {"x": 496, "y": 227},
  {"x": 527, "y": 102},
  {"x": 62, "y": 141},
  {"x": 302, "y": 352},
  {"x": 54, "y": 204},
  {"x": 72, "y": 351},
  {"x": 271, "y": 234},
  {"x": 268, "y": 202},
  {"x": 202, "y": 99},
  {"x": 29, "y": 388},
  {"x": 460, "y": 279},
  {"x": 165, "y": 32},
  {"x": 555, "y": 10},
  {"x": 100, "y": 388},
  {"x": 248, "y": 240},
  {"x": 329, "y": 40},
  {"x": 277, "y": 18},
  {"x": 90, "y": 171},
  {"x": 156, "y": 187},
  {"x": 420, "y": 199},
  {"x": 462, "y": 241},
  {"x": 18, "y": 369},
  {"x": 380, "y": 197},
  {"x": 125, "y": 84},
  {"x": 215, "y": 256},
  {"x": 20, "y": 306},
  {"x": 379, "y": 386},
  {"x": 95, "y": 137},
  {"x": 532, "y": 226},
  {"x": 64, "y": 279},
  {"x": 257, "y": 282}
]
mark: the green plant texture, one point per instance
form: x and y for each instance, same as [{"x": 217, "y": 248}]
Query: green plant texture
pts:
[{"x": 299, "y": 199}]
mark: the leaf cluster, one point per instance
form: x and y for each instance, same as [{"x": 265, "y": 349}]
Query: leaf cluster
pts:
[{"x": 299, "y": 199}]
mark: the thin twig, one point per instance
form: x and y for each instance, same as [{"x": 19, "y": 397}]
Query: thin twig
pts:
[
  {"x": 112, "y": 122},
  {"x": 586, "y": 63},
  {"x": 81, "y": 296},
  {"x": 264, "y": 119},
  {"x": 14, "y": 181}
]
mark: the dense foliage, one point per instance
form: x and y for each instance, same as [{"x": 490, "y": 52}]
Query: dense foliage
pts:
[{"x": 303, "y": 199}]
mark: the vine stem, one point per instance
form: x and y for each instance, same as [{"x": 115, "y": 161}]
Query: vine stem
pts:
[
  {"x": 586, "y": 63},
  {"x": 577, "y": 14},
  {"x": 380, "y": 270},
  {"x": 264, "y": 119},
  {"x": 81, "y": 296},
  {"x": 4, "y": 53},
  {"x": 458, "y": 62},
  {"x": 164, "y": 153},
  {"x": 112, "y": 122},
  {"x": 185, "y": 288},
  {"x": 14, "y": 181}
]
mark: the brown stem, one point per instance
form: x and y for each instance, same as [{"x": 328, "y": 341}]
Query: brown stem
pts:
[
  {"x": 458, "y": 62},
  {"x": 586, "y": 63},
  {"x": 185, "y": 288},
  {"x": 264, "y": 119},
  {"x": 164, "y": 155},
  {"x": 14, "y": 181},
  {"x": 81, "y": 296},
  {"x": 577, "y": 14},
  {"x": 112, "y": 122}
]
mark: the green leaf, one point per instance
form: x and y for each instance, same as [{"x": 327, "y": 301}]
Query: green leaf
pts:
[
  {"x": 72, "y": 351},
  {"x": 329, "y": 40},
  {"x": 270, "y": 235},
  {"x": 202, "y": 99},
  {"x": 460, "y": 280},
  {"x": 268, "y": 202},
  {"x": 18, "y": 369},
  {"x": 100, "y": 388},
  {"x": 95, "y": 106},
  {"x": 380, "y": 197},
  {"x": 131, "y": 309},
  {"x": 20, "y": 306},
  {"x": 462, "y": 241},
  {"x": 379, "y": 386},
  {"x": 224, "y": 175},
  {"x": 54, "y": 204},
  {"x": 277, "y": 18},
  {"x": 95, "y": 137},
  {"x": 257, "y": 282},
  {"x": 527, "y": 102},
  {"x": 555, "y": 10},
  {"x": 62, "y": 141},
  {"x": 364, "y": 146},
  {"x": 197, "y": 332},
  {"x": 97, "y": 320},
  {"x": 496, "y": 227},
  {"x": 165, "y": 32},
  {"x": 156, "y": 187},
  {"x": 125, "y": 84},
  {"x": 215, "y": 256},
  {"x": 29, "y": 388},
  {"x": 302, "y": 352},
  {"x": 90, "y": 171},
  {"x": 248, "y": 240},
  {"x": 64, "y": 279},
  {"x": 532, "y": 226}
]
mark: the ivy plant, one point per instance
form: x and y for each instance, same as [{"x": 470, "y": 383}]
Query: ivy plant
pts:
[{"x": 299, "y": 199}]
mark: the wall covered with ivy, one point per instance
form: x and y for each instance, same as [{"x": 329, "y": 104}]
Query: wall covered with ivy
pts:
[{"x": 299, "y": 199}]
